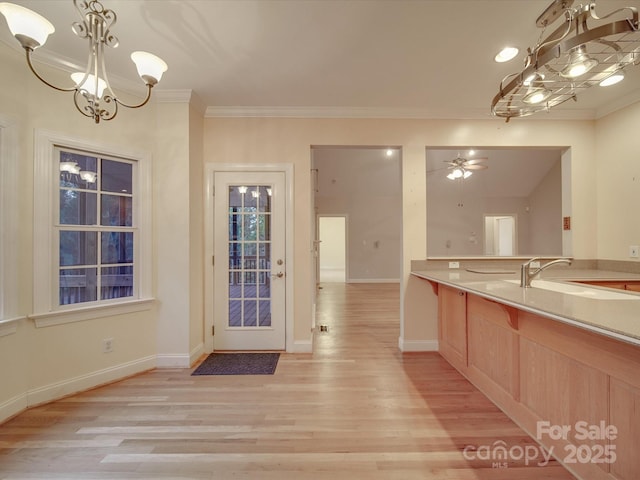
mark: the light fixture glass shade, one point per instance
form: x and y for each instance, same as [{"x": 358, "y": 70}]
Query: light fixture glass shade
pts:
[
  {"x": 242, "y": 189},
  {"x": 32, "y": 27},
  {"x": 88, "y": 176},
  {"x": 467, "y": 174},
  {"x": 579, "y": 63},
  {"x": 150, "y": 68},
  {"x": 71, "y": 167},
  {"x": 89, "y": 84},
  {"x": 615, "y": 77},
  {"x": 537, "y": 92},
  {"x": 456, "y": 173}
]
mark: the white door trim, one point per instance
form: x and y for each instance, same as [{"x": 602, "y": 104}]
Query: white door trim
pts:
[{"x": 209, "y": 182}]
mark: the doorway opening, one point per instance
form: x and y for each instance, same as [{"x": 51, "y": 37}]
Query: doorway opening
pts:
[
  {"x": 500, "y": 235},
  {"x": 332, "y": 232}
]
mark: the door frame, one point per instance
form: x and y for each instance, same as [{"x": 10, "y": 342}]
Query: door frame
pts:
[{"x": 209, "y": 282}]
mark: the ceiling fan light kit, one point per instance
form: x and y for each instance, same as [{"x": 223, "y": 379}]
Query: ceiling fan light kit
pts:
[
  {"x": 93, "y": 96},
  {"x": 461, "y": 168},
  {"x": 571, "y": 59}
]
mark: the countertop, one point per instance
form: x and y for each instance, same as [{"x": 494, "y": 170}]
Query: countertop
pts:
[{"x": 615, "y": 318}]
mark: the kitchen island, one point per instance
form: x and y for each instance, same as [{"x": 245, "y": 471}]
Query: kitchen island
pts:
[{"x": 564, "y": 364}]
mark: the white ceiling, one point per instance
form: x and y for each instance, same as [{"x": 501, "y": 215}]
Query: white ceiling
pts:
[{"x": 390, "y": 58}]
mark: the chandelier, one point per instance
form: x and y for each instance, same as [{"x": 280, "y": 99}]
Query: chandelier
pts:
[
  {"x": 571, "y": 59},
  {"x": 93, "y": 96}
]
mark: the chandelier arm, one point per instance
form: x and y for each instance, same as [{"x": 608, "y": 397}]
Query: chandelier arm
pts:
[
  {"x": 144, "y": 102},
  {"x": 556, "y": 37},
  {"x": 105, "y": 114},
  {"x": 633, "y": 19},
  {"x": 87, "y": 110},
  {"x": 28, "y": 51}
]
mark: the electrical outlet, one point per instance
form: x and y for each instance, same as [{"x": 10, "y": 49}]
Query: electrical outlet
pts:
[
  {"x": 107, "y": 345},
  {"x": 535, "y": 265},
  {"x": 633, "y": 251},
  {"x": 454, "y": 264}
]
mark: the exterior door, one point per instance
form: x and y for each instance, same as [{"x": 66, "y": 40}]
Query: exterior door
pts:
[{"x": 249, "y": 261}]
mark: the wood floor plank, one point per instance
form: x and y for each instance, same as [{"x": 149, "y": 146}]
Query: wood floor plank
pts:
[{"x": 357, "y": 408}]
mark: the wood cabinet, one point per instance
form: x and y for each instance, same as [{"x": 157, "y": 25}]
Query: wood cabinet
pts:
[
  {"x": 452, "y": 322},
  {"x": 543, "y": 372}
]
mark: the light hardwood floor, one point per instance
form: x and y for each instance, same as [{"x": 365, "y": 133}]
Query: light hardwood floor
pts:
[{"x": 355, "y": 409}]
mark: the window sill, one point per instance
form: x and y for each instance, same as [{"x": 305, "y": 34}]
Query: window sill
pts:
[
  {"x": 9, "y": 326},
  {"x": 60, "y": 317}
]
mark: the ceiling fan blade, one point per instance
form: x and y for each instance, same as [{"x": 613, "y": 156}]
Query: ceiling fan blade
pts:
[
  {"x": 476, "y": 167},
  {"x": 473, "y": 161}
]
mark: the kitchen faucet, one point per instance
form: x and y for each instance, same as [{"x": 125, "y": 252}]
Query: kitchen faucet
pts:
[{"x": 526, "y": 274}]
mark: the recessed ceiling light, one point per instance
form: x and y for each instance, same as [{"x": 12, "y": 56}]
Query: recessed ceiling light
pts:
[
  {"x": 389, "y": 152},
  {"x": 506, "y": 54},
  {"x": 617, "y": 77}
]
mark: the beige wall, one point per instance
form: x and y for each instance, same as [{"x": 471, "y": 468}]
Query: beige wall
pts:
[
  {"x": 271, "y": 140},
  {"x": 618, "y": 183},
  {"x": 40, "y": 364}
]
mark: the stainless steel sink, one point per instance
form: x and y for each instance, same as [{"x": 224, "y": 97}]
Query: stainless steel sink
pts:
[{"x": 580, "y": 290}]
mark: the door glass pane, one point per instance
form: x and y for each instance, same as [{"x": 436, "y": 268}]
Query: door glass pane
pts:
[
  {"x": 235, "y": 313},
  {"x": 265, "y": 313},
  {"x": 249, "y": 256}
]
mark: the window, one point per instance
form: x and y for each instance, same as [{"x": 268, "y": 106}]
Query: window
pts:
[
  {"x": 96, "y": 230},
  {"x": 92, "y": 249}
]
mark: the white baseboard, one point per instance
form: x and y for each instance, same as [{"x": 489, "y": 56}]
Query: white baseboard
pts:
[
  {"x": 302, "y": 346},
  {"x": 13, "y": 406},
  {"x": 373, "y": 280},
  {"x": 174, "y": 360},
  {"x": 81, "y": 383},
  {"x": 417, "y": 345},
  {"x": 195, "y": 354}
]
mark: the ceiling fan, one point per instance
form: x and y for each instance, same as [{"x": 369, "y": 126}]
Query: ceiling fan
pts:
[{"x": 461, "y": 167}]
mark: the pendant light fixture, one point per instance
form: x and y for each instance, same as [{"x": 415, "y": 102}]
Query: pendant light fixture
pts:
[
  {"x": 584, "y": 50},
  {"x": 93, "y": 95}
]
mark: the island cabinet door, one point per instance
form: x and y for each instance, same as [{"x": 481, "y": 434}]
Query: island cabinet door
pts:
[
  {"x": 625, "y": 417},
  {"x": 452, "y": 317},
  {"x": 493, "y": 349}
]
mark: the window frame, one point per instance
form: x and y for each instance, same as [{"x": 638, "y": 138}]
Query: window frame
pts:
[{"x": 46, "y": 307}]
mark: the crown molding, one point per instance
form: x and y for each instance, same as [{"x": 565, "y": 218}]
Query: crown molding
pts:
[
  {"x": 384, "y": 113},
  {"x": 618, "y": 104}
]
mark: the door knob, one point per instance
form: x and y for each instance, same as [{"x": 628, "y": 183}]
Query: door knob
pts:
[{"x": 279, "y": 274}]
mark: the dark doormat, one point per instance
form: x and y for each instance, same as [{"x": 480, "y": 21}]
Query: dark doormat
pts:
[{"x": 238, "y": 364}]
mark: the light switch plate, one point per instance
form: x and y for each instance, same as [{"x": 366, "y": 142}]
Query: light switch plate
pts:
[{"x": 633, "y": 251}]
